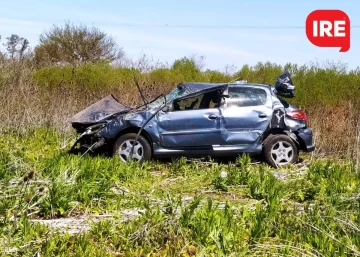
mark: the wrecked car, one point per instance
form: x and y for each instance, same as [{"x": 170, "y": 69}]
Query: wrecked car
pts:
[{"x": 200, "y": 119}]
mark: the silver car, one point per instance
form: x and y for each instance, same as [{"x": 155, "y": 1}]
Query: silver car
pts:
[{"x": 200, "y": 119}]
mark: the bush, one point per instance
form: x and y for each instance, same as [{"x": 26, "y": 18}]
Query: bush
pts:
[
  {"x": 75, "y": 44},
  {"x": 53, "y": 94},
  {"x": 92, "y": 76}
]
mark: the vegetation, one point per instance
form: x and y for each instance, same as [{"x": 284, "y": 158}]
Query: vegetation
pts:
[
  {"x": 16, "y": 46},
  {"x": 73, "y": 44},
  {"x": 171, "y": 209},
  {"x": 56, "y": 204},
  {"x": 51, "y": 95}
]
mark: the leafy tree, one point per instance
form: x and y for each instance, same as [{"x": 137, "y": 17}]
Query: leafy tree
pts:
[
  {"x": 193, "y": 63},
  {"x": 76, "y": 44},
  {"x": 189, "y": 67},
  {"x": 16, "y": 46}
]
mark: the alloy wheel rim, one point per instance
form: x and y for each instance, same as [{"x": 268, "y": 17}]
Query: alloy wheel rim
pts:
[
  {"x": 125, "y": 150},
  {"x": 282, "y": 153}
]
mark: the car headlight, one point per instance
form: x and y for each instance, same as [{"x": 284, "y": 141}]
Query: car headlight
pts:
[{"x": 94, "y": 129}]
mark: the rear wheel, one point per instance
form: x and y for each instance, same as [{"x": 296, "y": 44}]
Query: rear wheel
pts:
[
  {"x": 126, "y": 143},
  {"x": 280, "y": 150}
]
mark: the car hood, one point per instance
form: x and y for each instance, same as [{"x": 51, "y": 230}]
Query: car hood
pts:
[{"x": 98, "y": 111}]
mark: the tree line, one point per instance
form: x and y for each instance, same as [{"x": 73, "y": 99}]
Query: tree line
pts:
[{"x": 62, "y": 45}]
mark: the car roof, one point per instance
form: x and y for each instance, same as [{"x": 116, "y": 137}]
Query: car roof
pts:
[
  {"x": 195, "y": 87},
  {"x": 200, "y": 86},
  {"x": 249, "y": 84}
]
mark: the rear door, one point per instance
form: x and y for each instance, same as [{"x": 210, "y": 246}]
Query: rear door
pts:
[{"x": 246, "y": 115}]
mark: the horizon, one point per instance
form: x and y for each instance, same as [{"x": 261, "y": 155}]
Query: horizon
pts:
[{"x": 274, "y": 32}]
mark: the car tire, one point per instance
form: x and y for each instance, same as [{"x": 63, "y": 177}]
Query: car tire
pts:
[
  {"x": 280, "y": 150},
  {"x": 123, "y": 145}
]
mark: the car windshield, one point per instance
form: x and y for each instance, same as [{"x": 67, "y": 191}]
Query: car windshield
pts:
[{"x": 176, "y": 93}]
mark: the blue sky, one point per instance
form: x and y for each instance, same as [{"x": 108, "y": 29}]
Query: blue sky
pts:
[{"x": 220, "y": 46}]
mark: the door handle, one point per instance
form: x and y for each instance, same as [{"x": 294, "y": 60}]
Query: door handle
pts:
[
  {"x": 262, "y": 115},
  {"x": 212, "y": 117}
]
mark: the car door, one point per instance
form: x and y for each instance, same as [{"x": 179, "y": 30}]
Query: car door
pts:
[
  {"x": 246, "y": 115},
  {"x": 194, "y": 127}
]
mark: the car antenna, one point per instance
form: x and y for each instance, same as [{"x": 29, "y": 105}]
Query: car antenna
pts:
[{"x": 141, "y": 94}]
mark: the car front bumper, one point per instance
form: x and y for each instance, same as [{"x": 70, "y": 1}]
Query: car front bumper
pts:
[
  {"x": 306, "y": 138},
  {"x": 88, "y": 136}
]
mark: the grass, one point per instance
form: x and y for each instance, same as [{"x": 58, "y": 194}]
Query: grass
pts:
[
  {"x": 183, "y": 208},
  {"x": 55, "y": 204}
]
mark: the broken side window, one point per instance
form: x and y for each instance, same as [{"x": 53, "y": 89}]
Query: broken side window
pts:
[
  {"x": 203, "y": 101},
  {"x": 246, "y": 96},
  {"x": 191, "y": 103}
]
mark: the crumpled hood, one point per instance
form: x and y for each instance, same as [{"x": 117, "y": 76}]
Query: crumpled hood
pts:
[{"x": 99, "y": 110}]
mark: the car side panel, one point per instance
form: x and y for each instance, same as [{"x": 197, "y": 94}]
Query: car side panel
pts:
[
  {"x": 242, "y": 125},
  {"x": 189, "y": 128}
]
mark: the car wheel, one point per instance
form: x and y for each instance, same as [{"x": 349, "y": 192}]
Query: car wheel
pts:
[
  {"x": 280, "y": 151},
  {"x": 124, "y": 144}
]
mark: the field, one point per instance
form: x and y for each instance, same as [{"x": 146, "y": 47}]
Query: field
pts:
[
  {"x": 56, "y": 204},
  {"x": 184, "y": 208}
]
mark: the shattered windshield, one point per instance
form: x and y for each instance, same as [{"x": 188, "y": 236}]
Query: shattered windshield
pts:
[{"x": 176, "y": 93}]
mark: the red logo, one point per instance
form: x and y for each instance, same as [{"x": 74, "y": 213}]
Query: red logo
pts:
[{"x": 329, "y": 28}]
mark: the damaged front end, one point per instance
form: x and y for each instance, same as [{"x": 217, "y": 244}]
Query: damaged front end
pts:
[
  {"x": 90, "y": 121},
  {"x": 87, "y": 141}
]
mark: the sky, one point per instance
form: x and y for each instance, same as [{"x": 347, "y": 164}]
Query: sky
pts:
[{"x": 169, "y": 30}]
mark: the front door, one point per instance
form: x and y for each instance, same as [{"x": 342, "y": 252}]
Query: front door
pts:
[{"x": 190, "y": 124}]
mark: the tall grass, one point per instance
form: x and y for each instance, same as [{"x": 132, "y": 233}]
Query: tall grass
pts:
[
  {"x": 315, "y": 214},
  {"x": 50, "y": 96}
]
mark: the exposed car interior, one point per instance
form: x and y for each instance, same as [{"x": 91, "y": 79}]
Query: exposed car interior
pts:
[{"x": 203, "y": 101}]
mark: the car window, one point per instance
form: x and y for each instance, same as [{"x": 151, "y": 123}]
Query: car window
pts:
[
  {"x": 191, "y": 103},
  {"x": 203, "y": 101},
  {"x": 246, "y": 96},
  {"x": 177, "y": 92}
]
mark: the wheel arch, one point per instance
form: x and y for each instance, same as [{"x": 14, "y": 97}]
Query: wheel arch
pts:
[
  {"x": 134, "y": 129},
  {"x": 280, "y": 131}
]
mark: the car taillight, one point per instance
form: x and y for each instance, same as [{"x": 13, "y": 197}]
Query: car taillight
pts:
[{"x": 298, "y": 115}]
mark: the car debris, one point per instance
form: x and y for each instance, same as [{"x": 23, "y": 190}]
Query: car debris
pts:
[{"x": 200, "y": 119}]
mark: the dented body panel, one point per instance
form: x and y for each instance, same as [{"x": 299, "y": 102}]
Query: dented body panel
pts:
[
  {"x": 189, "y": 128},
  {"x": 245, "y": 124},
  {"x": 226, "y": 129}
]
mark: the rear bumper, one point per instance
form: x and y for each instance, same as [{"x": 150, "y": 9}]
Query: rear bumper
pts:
[{"x": 305, "y": 137}]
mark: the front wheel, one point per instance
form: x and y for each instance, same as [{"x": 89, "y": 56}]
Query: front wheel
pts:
[
  {"x": 141, "y": 150},
  {"x": 280, "y": 151}
]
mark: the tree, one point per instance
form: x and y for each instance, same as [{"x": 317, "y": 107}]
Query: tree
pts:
[
  {"x": 16, "y": 46},
  {"x": 194, "y": 63},
  {"x": 190, "y": 68},
  {"x": 76, "y": 44}
]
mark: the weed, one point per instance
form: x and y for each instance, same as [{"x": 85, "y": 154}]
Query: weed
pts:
[{"x": 149, "y": 213}]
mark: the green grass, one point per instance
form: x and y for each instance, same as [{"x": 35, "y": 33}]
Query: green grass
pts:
[{"x": 188, "y": 208}]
